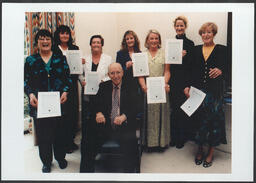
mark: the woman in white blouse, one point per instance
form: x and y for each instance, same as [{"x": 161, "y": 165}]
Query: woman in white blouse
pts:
[{"x": 95, "y": 62}]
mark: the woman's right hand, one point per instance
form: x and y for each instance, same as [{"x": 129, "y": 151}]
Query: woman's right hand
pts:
[
  {"x": 83, "y": 60},
  {"x": 186, "y": 92},
  {"x": 83, "y": 83},
  {"x": 129, "y": 64},
  {"x": 32, "y": 99}
]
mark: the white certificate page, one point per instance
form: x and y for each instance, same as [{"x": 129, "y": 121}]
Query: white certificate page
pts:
[
  {"x": 140, "y": 64},
  {"x": 155, "y": 90},
  {"x": 194, "y": 101},
  {"x": 173, "y": 51},
  {"x": 92, "y": 80},
  {"x": 74, "y": 60},
  {"x": 48, "y": 104}
]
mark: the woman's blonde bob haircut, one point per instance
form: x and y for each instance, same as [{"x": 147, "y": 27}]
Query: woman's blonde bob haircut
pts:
[
  {"x": 212, "y": 25},
  {"x": 183, "y": 18},
  {"x": 155, "y": 32}
]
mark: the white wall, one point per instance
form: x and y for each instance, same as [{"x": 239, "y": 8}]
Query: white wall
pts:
[{"x": 112, "y": 26}]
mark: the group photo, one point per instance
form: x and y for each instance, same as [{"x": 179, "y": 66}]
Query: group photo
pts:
[{"x": 129, "y": 93}]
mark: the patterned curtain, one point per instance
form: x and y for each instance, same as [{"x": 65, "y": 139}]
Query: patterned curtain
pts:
[{"x": 45, "y": 20}]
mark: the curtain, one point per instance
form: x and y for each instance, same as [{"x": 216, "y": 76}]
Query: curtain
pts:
[{"x": 45, "y": 20}]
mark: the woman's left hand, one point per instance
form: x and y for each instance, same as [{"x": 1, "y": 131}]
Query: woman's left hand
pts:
[
  {"x": 63, "y": 97},
  {"x": 214, "y": 73},
  {"x": 167, "y": 88}
]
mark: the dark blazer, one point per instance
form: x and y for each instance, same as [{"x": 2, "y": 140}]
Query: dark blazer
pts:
[
  {"x": 103, "y": 102},
  {"x": 199, "y": 77}
]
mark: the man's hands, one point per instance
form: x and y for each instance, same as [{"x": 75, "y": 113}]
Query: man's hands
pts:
[
  {"x": 120, "y": 119},
  {"x": 100, "y": 118}
]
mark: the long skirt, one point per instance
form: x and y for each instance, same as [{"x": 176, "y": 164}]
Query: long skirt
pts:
[{"x": 210, "y": 122}]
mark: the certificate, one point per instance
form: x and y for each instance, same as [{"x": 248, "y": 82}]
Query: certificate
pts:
[
  {"x": 156, "y": 90},
  {"x": 74, "y": 60},
  {"x": 92, "y": 80},
  {"x": 140, "y": 64},
  {"x": 173, "y": 51},
  {"x": 194, "y": 101},
  {"x": 48, "y": 104}
]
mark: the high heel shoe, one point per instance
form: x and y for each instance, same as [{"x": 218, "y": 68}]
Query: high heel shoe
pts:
[
  {"x": 197, "y": 160},
  {"x": 207, "y": 164}
]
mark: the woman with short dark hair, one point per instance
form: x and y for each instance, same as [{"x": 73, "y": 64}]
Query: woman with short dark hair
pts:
[
  {"x": 47, "y": 71},
  {"x": 97, "y": 62}
]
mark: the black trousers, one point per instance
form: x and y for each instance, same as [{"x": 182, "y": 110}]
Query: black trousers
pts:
[
  {"x": 72, "y": 112},
  {"x": 97, "y": 134},
  {"x": 50, "y": 134}
]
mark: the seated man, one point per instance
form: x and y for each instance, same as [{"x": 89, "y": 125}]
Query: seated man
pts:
[{"x": 115, "y": 119}]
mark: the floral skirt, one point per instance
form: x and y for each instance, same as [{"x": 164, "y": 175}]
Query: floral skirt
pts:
[{"x": 210, "y": 122}]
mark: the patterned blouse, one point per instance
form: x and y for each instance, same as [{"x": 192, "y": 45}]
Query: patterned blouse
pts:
[{"x": 37, "y": 78}]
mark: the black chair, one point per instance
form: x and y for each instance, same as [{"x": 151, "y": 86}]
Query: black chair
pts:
[{"x": 109, "y": 157}]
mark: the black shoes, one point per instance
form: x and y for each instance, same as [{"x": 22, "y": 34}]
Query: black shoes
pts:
[
  {"x": 199, "y": 161},
  {"x": 207, "y": 164},
  {"x": 46, "y": 169},
  {"x": 179, "y": 146},
  {"x": 72, "y": 148},
  {"x": 63, "y": 164}
]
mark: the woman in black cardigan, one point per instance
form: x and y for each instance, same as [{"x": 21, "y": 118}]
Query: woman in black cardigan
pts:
[
  {"x": 207, "y": 73},
  {"x": 180, "y": 129},
  {"x": 63, "y": 41}
]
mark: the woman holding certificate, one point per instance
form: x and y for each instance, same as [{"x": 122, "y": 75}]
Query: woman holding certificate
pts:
[
  {"x": 207, "y": 70},
  {"x": 95, "y": 68},
  {"x": 130, "y": 44},
  {"x": 180, "y": 128},
  {"x": 63, "y": 42},
  {"x": 47, "y": 72},
  {"x": 158, "y": 115}
]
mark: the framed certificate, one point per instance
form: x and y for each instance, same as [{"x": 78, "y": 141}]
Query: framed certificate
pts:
[
  {"x": 155, "y": 90},
  {"x": 74, "y": 60},
  {"x": 48, "y": 104},
  {"x": 140, "y": 64},
  {"x": 92, "y": 80},
  {"x": 173, "y": 51}
]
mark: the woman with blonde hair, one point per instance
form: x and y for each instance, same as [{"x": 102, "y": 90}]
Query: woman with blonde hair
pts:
[
  {"x": 207, "y": 74},
  {"x": 181, "y": 130},
  {"x": 157, "y": 115}
]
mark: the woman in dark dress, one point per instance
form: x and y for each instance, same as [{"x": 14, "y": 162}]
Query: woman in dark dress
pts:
[
  {"x": 180, "y": 128},
  {"x": 207, "y": 73},
  {"x": 130, "y": 44},
  {"x": 63, "y": 42},
  {"x": 47, "y": 71}
]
